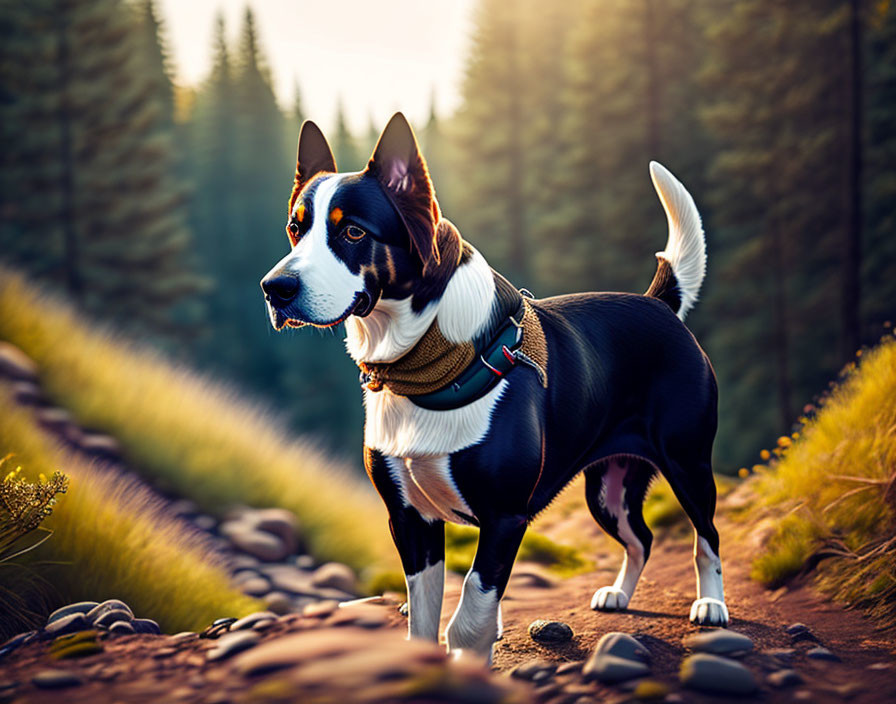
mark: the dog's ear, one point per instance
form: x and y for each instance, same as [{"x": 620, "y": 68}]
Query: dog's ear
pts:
[
  {"x": 313, "y": 157},
  {"x": 401, "y": 170}
]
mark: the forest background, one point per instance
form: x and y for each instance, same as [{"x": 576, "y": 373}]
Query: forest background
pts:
[{"x": 157, "y": 207}]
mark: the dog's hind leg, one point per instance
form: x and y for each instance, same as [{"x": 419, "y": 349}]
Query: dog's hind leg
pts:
[
  {"x": 615, "y": 489},
  {"x": 696, "y": 492},
  {"x": 476, "y": 623}
]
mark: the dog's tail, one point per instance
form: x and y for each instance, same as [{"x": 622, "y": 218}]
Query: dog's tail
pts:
[{"x": 682, "y": 264}]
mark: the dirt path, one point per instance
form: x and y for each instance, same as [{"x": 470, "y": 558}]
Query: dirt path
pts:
[{"x": 659, "y": 610}]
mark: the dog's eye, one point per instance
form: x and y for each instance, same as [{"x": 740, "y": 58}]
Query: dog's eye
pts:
[
  {"x": 292, "y": 231},
  {"x": 354, "y": 233}
]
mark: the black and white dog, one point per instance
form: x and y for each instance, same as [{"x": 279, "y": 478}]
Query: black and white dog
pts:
[{"x": 622, "y": 389}]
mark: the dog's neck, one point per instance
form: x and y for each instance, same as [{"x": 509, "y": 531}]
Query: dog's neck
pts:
[{"x": 474, "y": 299}]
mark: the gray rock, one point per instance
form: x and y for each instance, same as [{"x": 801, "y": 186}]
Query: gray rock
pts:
[
  {"x": 531, "y": 668},
  {"x": 278, "y": 602},
  {"x": 105, "y": 620},
  {"x": 67, "y": 624},
  {"x": 183, "y": 636},
  {"x": 820, "y": 653},
  {"x": 290, "y": 579},
  {"x": 549, "y": 632},
  {"x": 122, "y": 628},
  {"x": 782, "y": 655},
  {"x": 15, "y": 364},
  {"x": 205, "y": 523},
  {"x": 80, "y": 607},
  {"x": 56, "y": 679},
  {"x": 279, "y": 522},
  {"x": 100, "y": 445},
  {"x": 27, "y": 393},
  {"x": 305, "y": 562},
  {"x": 264, "y": 546},
  {"x": 611, "y": 669},
  {"x": 106, "y": 606},
  {"x": 784, "y": 678},
  {"x": 233, "y": 643},
  {"x": 255, "y": 586},
  {"x": 720, "y": 641},
  {"x": 803, "y": 637},
  {"x": 621, "y": 645},
  {"x": 146, "y": 625},
  {"x": 795, "y": 628},
  {"x": 335, "y": 575},
  {"x": 711, "y": 673},
  {"x": 19, "y": 640},
  {"x": 248, "y": 621}
]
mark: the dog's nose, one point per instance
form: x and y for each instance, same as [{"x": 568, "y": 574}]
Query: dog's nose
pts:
[{"x": 280, "y": 289}]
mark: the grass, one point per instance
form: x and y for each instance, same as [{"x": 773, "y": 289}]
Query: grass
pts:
[
  {"x": 110, "y": 540},
  {"x": 834, "y": 483},
  {"x": 460, "y": 546},
  {"x": 190, "y": 436}
]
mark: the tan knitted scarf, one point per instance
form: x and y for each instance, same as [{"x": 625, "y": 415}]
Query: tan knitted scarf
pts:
[{"x": 433, "y": 362}]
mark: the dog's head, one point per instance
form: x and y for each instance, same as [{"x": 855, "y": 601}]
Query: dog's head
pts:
[{"x": 360, "y": 237}]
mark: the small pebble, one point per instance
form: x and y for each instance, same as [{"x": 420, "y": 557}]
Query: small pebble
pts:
[
  {"x": 55, "y": 679},
  {"x": 795, "y": 628},
  {"x": 720, "y": 641},
  {"x": 820, "y": 653},
  {"x": 718, "y": 675},
  {"x": 784, "y": 678},
  {"x": 622, "y": 645},
  {"x": 531, "y": 668},
  {"x": 611, "y": 669},
  {"x": 248, "y": 621},
  {"x": 81, "y": 607},
  {"x": 549, "y": 632},
  {"x": 146, "y": 625},
  {"x": 122, "y": 628},
  {"x": 67, "y": 624},
  {"x": 233, "y": 643}
]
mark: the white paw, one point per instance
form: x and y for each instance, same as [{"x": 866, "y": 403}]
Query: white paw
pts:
[
  {"x": 609, "y": 599},
  {"x": 709, "y": 612}
]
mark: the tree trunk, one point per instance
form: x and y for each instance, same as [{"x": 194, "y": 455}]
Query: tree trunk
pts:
[
  {"x": 70, "y": 246},
  {"x": 652, "y": 70},
  {"x": 775, "y": 251}
]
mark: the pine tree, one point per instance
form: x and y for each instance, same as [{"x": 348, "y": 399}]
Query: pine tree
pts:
[
  {"x": 89, "y": 203},
  {"x": 878, "y": 281},
  {"x": 345, "y": 147},
  {"x": 777, "y": 108}
]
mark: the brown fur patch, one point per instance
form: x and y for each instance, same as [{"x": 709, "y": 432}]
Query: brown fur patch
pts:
[{"x": 336, "y": 215}]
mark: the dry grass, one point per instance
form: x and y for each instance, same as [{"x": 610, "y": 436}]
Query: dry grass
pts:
[
  {"x": 110, "y": 539},
  {"x": 189, "y": 435},
  {"x": 835, "y": 485}
]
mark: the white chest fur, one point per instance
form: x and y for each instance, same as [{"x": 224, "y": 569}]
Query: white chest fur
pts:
[
  {"x": 395, "y": 426},
  {"x": 427, "y": 485}
]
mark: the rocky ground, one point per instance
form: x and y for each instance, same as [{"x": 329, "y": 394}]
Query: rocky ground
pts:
[{"x": 318, "y": 643}]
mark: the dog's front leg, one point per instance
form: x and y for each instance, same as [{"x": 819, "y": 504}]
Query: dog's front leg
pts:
[
  {"x": 476, "y": 623},
  {"x": 421, "y": 547}
]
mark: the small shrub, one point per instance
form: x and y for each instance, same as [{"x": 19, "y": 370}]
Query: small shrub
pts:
[{"x": 23, "y": 507}]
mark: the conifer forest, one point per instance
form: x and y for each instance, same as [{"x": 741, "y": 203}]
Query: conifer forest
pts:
[{"x": 155, "y": 207}]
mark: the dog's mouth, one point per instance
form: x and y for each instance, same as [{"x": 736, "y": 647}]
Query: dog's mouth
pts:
[{"x": 361, "y": 306}]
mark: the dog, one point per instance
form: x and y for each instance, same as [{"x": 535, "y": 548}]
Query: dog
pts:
[{"x": 482, "y": 403}]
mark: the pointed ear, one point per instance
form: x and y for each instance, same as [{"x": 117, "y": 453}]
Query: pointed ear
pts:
[
  {"x": 314, "y": 156},
  {"x": 401, "y": 170}
]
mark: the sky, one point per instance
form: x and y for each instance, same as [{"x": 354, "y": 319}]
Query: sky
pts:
[{"x": 377, "y": 57}]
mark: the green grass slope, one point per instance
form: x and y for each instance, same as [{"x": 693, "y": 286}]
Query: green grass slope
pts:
[
  {"x": 833, "y": 492},
  {"x": 189, "y": 435},
  {"x": 110, "y": 540}
]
